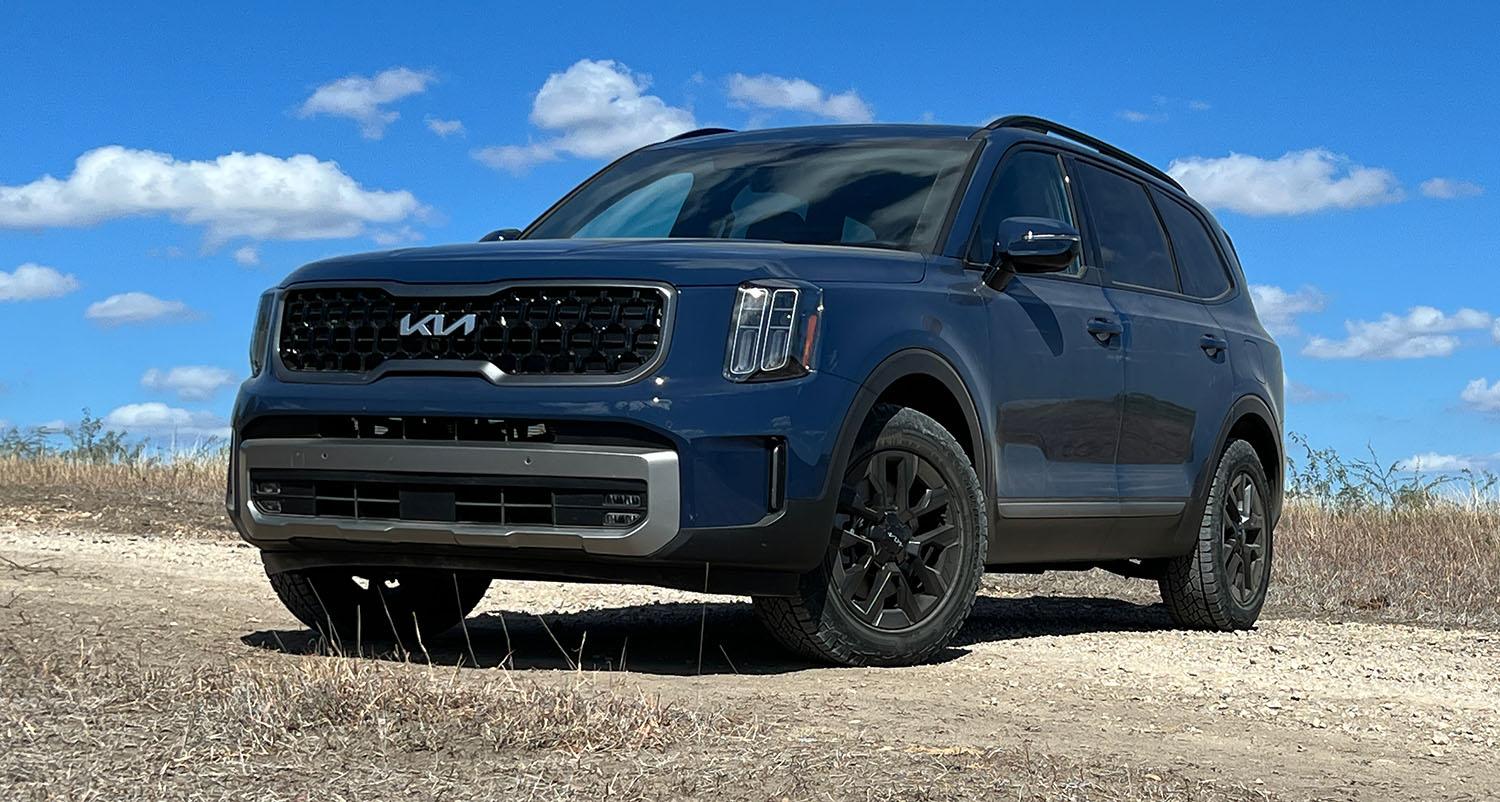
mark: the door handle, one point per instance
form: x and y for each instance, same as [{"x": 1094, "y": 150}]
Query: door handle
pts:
[
  {"x": 1212, "y": 345},
  {"x": 1104, "y": 328}
]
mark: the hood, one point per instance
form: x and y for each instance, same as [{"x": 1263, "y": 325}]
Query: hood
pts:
[{"x": 684, "y": 263}]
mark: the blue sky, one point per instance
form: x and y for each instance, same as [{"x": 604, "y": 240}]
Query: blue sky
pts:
[{"x": 128, "y": 279}]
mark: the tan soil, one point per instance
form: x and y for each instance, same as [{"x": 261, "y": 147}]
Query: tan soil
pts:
[{"x": 1295, "y": 709}]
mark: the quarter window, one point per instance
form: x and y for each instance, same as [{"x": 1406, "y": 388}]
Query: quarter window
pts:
[
  {"x": 1132, "y": 247},
  {"x": 1198, "y": 261},
  {"x": 1030, "y": 184}
]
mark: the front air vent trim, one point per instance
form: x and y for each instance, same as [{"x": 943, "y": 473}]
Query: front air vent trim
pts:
[{"x": 467, "y": 367}]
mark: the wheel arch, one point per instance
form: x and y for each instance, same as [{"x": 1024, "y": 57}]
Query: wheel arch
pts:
[
  {"x": 1250, "y": 419},
  {"x": 927, "y": 382}
]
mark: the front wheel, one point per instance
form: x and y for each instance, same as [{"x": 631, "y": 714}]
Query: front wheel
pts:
[
  {"x": 1221, "y": 584},
  {"x": 906, "y": 553}
]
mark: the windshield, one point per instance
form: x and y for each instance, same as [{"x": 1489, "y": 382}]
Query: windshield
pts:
[{"x": 886, "y": 194}]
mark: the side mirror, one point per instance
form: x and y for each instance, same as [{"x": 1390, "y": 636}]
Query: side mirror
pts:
[
  {"x": 501, "y": 234},
  {"x": 1032, "y": 245}
]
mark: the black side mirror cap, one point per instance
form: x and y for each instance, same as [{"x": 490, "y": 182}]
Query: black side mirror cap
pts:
[
  {"x": 1033, "y": 245},
  {"x": 501, "y": 234}
]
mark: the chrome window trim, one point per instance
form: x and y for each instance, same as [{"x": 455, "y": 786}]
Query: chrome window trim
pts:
[{"x": 470, "y": 367}]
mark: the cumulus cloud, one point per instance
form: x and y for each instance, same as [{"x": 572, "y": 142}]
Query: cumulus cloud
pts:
[
  {"x": 236, "y": 195},
  {"x": 595, "y": 109},
  {"x": 796, "y": 94},
  {"x": 1422, "y": 332},
  {"x": 1297, "y": 183},
  {"x": 1482, "y": 396},
  {"x": 363, "y": 98},
  {"x": 158, "y": 419},
  {"x": 1278, "y": 308},
  {"x": 135, "y": 307},
  {"x": 247, "y": 256},
  {"x": 33, "y": 282},
  {"x": 1448, "y": 188},
  {"x": 1433, "y": 462},
  {"x": 188, "y": 382},
  {"x": 444, "y": 128}
]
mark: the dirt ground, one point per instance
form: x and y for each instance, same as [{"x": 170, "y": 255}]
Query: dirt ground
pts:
[{"x": 1298, "y": 708}]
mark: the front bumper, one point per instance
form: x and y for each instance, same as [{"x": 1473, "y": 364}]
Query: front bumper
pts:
[{"x": 657, "y": 469}]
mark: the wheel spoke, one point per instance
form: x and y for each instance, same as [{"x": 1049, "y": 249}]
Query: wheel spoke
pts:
[
  {"x": 932, "y": 500},
  {"x": 880, "y": 590},
  {"x": 907, "y": 599},
  {"x": 942, "y": 536},
  {"x": 933, "y": 583},
  {"x": 904, "y": 480},
  {"x": 854, "y": 503}
]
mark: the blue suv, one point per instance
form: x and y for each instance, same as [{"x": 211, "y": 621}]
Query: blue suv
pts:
[{"x": 845, "y": 370}]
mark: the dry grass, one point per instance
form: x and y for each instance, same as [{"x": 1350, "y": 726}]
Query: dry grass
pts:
[
  {"x": 85, "y": 722},
  {"x": 183, "y": 497},
  {"x": 1438, "y": 565}
]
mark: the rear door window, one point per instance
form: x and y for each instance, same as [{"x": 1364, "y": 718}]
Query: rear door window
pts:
[
  {"x": 1198, "y": 262},
  {"x": 1132, "y": 246}
]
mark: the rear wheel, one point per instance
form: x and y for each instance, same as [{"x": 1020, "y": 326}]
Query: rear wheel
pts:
[
  {"x": 1222, "y": 583},
  {"x": 906, "y": 553},
  {"x": 372, "y": 604}
]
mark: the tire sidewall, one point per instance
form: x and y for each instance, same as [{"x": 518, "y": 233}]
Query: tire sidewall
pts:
[{"x": 1240, "y": 456}]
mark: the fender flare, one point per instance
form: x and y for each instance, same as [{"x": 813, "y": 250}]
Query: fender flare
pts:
[
  {"x": 1248, "y": 404},
  {"x": 895, "y": 367}
]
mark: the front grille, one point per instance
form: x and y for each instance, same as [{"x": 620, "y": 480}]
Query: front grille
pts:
[
  {"x": 524, "y": 330},
  {"x": 492, "y": 500},
  {"x": 454, "y": 428}
]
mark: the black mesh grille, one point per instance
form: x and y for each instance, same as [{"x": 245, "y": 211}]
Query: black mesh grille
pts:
[
  {"x": 514, "y": 501},
  {"x": 523, "y": 330}
]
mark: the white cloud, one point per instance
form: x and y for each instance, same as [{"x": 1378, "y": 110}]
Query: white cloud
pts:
[
  {"x": 156, "y": 418},
  {"x": 796, "y": 94},
  {"x": 1299, "y": 393},
  {"x": 1495, "y": 332},
  {"x": 188, "y": 382},
  {"x": 1448, "y": 188},
  {"x": 1482, "y": 396},
  {"x": 236, "y": 195},
  {"x": 597, "y": 109},
  {"x": 1133, "y": 116},
  {"x": 1297, "y": 183},
  {"x": 444, "y": 128},
  {"x": 1422, "y": 332},
  {"x": 1199, "y": 105},
  {"x": 247, "y": 256},
  {"x": 1433, "y": 462},
  {"x": 32, "y": 282},
  {"x": 396, "y": 236},
  {"x": 362, "y": 99},
  {"x": 135, "y": 307},
  {"x": 1278, "y": 309}
]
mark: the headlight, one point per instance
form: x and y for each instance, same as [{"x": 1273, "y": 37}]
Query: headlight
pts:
[
  {"x": 260, "y": 337},
  {"x": 773, "y": 332}
]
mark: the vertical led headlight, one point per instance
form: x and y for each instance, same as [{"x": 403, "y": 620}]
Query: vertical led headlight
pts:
[
  {"x": 774, "y": 330},
  {"x": 260, "y": 337}
]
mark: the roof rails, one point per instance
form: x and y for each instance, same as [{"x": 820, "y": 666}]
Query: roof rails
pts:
[
  {"x": 697, "y": 132},
  {"x": 1042, "y": 126}
]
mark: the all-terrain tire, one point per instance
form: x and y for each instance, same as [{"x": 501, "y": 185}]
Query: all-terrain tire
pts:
[
  {"x": 1200, "y": 589},
  {"x": 818, "y": 624},
  {"x": 367, "y": 604}
]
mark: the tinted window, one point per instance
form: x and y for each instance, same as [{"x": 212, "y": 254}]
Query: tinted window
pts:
[
  {"x": 1198, "y": 261},
  {"x": 1030, "y": 184},
  {"x": 647, "y": 212},
  {"x": 878, "y": 193},
  {"x": 1132, "y": 248}
]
